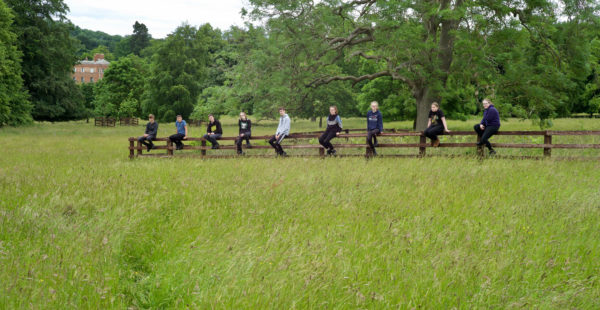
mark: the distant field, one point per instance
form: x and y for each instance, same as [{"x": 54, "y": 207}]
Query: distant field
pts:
[{"x": 84, "y": 227}]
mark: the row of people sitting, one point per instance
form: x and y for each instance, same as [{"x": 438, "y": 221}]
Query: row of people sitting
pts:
[{"x": 489, "y": 125}]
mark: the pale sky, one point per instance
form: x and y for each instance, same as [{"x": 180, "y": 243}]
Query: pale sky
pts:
[{"x": 160, "y": 16}]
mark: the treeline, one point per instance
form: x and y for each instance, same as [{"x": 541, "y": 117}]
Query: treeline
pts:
[{"x": 537, "y": 60}]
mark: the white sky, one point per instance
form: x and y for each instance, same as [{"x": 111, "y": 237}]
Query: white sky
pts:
[{"x": 160, "y": 16}]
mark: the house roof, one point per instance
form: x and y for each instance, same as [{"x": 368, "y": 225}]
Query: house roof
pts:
[{"x": 91, "y": 62}]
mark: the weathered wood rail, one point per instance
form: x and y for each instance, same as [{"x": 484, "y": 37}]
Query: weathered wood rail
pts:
[
  {"x": 105, "y": 121},
  {"x": 422, "y": 145},
  {"x": 128, "y": 121}
]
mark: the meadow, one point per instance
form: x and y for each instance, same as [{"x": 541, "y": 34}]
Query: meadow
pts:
[{"x": 84, "y": 227}]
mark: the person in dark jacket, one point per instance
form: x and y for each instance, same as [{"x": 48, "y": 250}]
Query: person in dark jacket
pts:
[
  {"x": 489, "y": 125},
  {"x": 245, "y": 132},
  {"x": 436, "y": 125},
  {"x": 182, "y": 132},
  {"x": 213, "y": 131},
  {"x": 374, "y": 126},
  {"x": 150, "y": 133},
  {"x": 334, "y": 127}
]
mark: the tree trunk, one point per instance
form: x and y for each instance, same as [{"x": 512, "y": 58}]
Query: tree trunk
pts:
[{"x": 424, "y": 97}]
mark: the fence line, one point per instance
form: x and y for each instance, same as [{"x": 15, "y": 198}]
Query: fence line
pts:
[{"x": 422, "y": 145}]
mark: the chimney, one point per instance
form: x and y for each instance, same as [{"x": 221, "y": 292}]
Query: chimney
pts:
[{"x": 98, "y": 57}]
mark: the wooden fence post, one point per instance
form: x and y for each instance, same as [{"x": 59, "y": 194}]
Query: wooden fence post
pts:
[
  {"x": 321, "y": 152},
  {"x": 203, "y": 151},
  {"x": 131, "y": 145},
  {"x": 422, "y": 141},
  {"x": 169, "y": 147},
  {"x": 479, "y": 147},
  {"x": 547, "y": 140},
  {"x": 139, "y": 148}
]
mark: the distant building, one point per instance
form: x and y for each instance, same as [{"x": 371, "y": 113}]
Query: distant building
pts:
[{"x": 90, "y": 71}]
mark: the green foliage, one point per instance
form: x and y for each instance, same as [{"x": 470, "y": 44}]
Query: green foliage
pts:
[
  {"x": 91, "y": 40},
  {"x": 140, "y": 38},
  {"x": 48, "y": 58},
  {"x": 177, "y": 73},
  {"x": 15, "y": 108},
  {"x": 123, "y": 83}
]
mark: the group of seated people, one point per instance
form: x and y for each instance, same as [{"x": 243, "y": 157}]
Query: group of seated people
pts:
[{"x": 489, "y": 125}]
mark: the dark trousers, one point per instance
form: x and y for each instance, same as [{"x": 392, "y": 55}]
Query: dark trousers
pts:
[
  {"x": 486, "y": 134},
  {"x": 276, "y": 143},
  {"x": 147, "y": 141},
  {"x": 240, "y": 139},
  {"x": 372, "y": 137},
  {"x": 176, "y": 138},
  {"x": 433, "y": 131},
  {"x": 326, "y": 137},
  {"x": 213, "y": 138}
]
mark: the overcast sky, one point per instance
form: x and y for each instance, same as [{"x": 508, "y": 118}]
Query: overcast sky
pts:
[{"x": 160, "y": 16}]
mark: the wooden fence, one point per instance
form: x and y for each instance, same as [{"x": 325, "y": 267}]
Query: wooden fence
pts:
[
  {"x": 421, "y": 146},
  {"x": 128, "y": 121},
  {"x": 105, "y": 121}
]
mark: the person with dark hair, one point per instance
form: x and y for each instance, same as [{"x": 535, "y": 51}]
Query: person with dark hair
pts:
[
  {"x": 374, "y": 126},
  {"x": 182, "y": 132},
  {"x": 283, "y": 130},
  {"x": 213, "y": 131},
  {"x": 436, "y": 125},
  {"x": 245, "y": 132},
  {"x": 489, "y": 125},
  {"x": 334, "y": 127},
  {"x": 150, "y": 133}
]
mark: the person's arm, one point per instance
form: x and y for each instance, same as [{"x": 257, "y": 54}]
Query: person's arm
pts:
[
  {"x": 219, "y": 129},
  {"x": 249, "y": 129},
  {"x": 429, "y": 122},
  {"x": 444, "y": 122},
  {"x": 208, "y": 128},
  {"x": 380, "y": 122},
  {"x": 287, "y": 124},
  {"x": 186, "y": 131},
  {"x": 340, "y": 126}
]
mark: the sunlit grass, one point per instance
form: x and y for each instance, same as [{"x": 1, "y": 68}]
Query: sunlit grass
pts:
[{"x": 82, "y": 226}]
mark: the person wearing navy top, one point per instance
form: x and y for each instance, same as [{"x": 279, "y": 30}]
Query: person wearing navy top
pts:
[
  {"x": 182, "y": 132},
  {"x": 489, "y": 125},
  {"x": 150, "y": 133},
  {"x": 334, "y": 127},
  {"x": 213, "y": 131},
  {"x": 374, "y": 126}
]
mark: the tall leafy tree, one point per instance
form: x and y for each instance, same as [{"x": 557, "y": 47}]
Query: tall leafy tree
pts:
[
  {"x": 48, "y": 58},
  {"x": 140, "y": 38},
  {"x": 178, "y": 71},
  {"x": 15, "y": 108},
  {"x": 119, "y": 93}
]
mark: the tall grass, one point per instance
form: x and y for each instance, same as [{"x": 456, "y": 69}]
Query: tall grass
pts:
[{"x": 81, "y": 226}]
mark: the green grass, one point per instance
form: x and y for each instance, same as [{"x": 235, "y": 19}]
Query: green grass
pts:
[{"x": 82, "y": 226}]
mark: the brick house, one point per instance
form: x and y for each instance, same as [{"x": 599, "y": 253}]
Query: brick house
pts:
[{"x": 90, "y": 71}]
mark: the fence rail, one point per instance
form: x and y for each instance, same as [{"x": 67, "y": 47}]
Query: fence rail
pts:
[
  {"x": 105, "y": 121},
  {"x": 128, "y": 121},
  {"x": 422, "y": 145}
]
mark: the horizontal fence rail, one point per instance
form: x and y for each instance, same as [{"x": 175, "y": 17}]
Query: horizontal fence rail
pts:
[{"x": 422, "y": 145}]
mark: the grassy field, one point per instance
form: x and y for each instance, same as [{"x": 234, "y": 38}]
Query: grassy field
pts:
[{"x": 84, "y": 227}]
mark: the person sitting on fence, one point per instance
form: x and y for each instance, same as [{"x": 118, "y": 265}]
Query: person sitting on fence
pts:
[
  {"x": 489, "y": 125},
  {"x": 245, "y": 132},
  {"x": 283, "y": 130},
  {"x": 182, "y": 132},
  {"x": 334, "y": 127},
  {"x": 374, "y": 126},
  {"x": 213, "y": 131},
  {"x": 150, "y": 133},
  {"x": 436, "y": 124}
]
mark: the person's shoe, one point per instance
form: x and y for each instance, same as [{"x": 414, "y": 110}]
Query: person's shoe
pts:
[
  {"x": 376, "y": 144},
  {"x": 328, "y": 152},
  {"x": 374, "y": 152},
  {"x": 492, "y": 152},
  {"x": 214, "y": 147},
  {"x": 436, "y": 143},
  {"x": 432, "y": 142},
  {"x": 479, "y": 143},
  {"x": 179, "y": 147},
  {"x": 248, "y": 145},
  {"x": 150, "y": 147},
  {"x": 332, "y": 152},
  {"x": 283, "y": 154}
]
